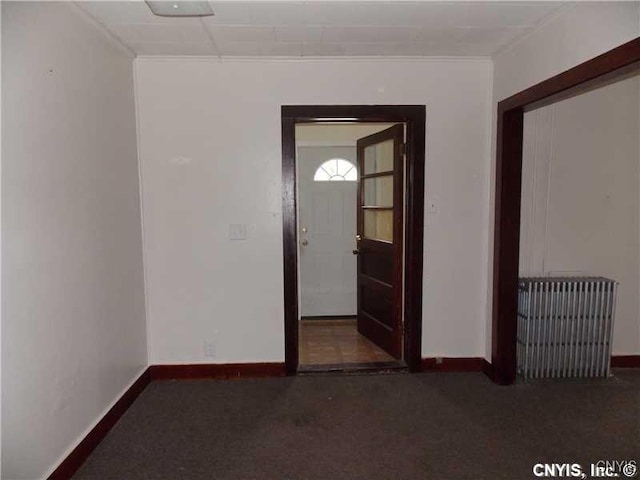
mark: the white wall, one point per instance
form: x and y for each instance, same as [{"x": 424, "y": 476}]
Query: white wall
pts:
[
  {"x": 72, "y": 286},
  {"x": 580, "y": 204},
  {"x": 578, "y": 33},
  {"x": 210, "y": 148}
]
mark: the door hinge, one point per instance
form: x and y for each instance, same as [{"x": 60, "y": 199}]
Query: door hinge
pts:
[{"x": 404, "y": 149}]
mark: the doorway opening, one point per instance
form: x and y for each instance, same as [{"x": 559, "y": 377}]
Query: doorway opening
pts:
[
  {"x": 590, "y": 75},
  {"x": 345, "y": 185},
  {"x": 353, "y": 187}
]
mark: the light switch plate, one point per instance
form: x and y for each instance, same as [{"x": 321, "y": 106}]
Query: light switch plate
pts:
[{"x": 237, "y": 231}]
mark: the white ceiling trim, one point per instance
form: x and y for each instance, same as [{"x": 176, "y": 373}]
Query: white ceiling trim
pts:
[
  {"x": 102, "y": 28},
  {"x": 543, "y": 23},
  {"x": 318, "y": 58}
]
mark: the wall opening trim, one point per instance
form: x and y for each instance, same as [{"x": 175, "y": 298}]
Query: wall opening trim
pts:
[
  {"x": 602, "y": 70},
  {"x": 414, "y": 117}
]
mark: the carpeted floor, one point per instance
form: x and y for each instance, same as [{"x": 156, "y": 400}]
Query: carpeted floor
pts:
[{"x": 423, "y": 426}]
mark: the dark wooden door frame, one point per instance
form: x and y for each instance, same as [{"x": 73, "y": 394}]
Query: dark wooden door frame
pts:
[
  {"x": 414, "y": 117},
  {"x": 599, "y": 71}
]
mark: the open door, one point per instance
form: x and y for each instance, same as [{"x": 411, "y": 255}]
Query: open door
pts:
[{"x": 379, "y": 238}]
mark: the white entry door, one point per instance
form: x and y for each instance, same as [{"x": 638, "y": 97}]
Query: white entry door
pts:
[{"x": 327, "y": 193}]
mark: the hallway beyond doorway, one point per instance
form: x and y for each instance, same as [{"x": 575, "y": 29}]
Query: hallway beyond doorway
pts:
[{"x": 330, "y": 342}]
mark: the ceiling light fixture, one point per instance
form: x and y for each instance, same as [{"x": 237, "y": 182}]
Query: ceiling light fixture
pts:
[{"x": 180, "y": 8}]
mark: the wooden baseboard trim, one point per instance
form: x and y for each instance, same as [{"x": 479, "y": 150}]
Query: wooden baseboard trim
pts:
[
  {"x": 78, "y": 455},
  {"x": 487, "y": 368},
  {"x": 625, "y": 361},
  {"x": 452, "y": 364},
  {"x": 215, "y": 370}
]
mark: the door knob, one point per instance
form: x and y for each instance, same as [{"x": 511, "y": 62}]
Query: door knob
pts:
[
  {"x": 305, "y": 242},
  {"x": 356, "y": 252},
  {"x": 358, "y": 237}
]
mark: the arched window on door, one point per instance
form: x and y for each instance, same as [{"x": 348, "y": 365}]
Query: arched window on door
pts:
[{"x": 336, "y": 170}]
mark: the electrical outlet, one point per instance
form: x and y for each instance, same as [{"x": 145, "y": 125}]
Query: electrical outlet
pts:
[
  {"x": 209, "y": 349},
  {"x": 432, "y": 205}
]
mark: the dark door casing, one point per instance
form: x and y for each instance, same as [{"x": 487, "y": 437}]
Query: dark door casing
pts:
[{"x": 414, "y": 118}]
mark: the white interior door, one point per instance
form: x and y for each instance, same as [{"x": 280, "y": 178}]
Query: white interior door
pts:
[{"x": 326, "y": 230}]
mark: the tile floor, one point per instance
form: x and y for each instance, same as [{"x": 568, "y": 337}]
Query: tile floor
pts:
[{"x": 326, "y": 342}]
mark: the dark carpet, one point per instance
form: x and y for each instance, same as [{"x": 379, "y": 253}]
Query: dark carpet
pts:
[{"x": 403, "y": 426}]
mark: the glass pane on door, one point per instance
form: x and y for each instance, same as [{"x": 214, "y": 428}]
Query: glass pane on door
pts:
[
  {"x": 378, "y": 191},
  {"x": 378, "y": 225},
  {"x": 378, "y": 157}
]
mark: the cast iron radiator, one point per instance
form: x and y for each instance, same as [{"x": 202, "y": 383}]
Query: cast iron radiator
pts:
[{"x": 565, "y": 326}]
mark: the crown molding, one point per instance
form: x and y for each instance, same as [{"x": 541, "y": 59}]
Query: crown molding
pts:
[{"x": 106, "y": 33}]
